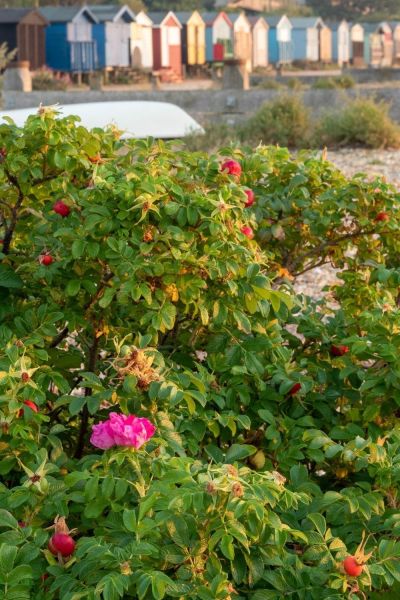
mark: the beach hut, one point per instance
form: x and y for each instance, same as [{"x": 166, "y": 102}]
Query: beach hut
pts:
[
  {"x": 325, "y": 44},
  {"x": 167, "y": 42},
  {"x": 70, "y": 46},
  {"x": 396, "y": 41},
  {"x": 112, "y": 34},
  {"x": 219, "y": 36},
  {"x": 242, "y": 39},
  {"x": 280, "y": 47},
  {"x": 259, "y": 29},
  {"x": 142, "y": 42},
  {"x": 24, "y": 29},
  {"x": 340, "y": 42},
  {"x": 385, "y": 32},
  {"x": 357, "y": 43},
  {"x": 373, "y": 51},
  {"x": 311, "y": 40},
  {"x": 193, "y": 38}
]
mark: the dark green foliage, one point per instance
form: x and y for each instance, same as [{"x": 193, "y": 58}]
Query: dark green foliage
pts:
[{"x": 157, "y": 305}]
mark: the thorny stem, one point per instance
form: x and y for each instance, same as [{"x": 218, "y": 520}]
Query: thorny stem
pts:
[
  {"x": 59, "y": 338},
  {"x": 14, "y": 213},
  {"x": 88, "y": 392},
  {"x": 319, "y": 249}
]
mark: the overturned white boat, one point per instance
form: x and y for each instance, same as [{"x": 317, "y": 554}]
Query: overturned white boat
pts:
[{"x": 137, "y": 119}]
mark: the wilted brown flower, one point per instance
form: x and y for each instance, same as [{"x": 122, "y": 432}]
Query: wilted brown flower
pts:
[
  {"x": 237, "y": 490},
  {"x": 139, "y": 364}
]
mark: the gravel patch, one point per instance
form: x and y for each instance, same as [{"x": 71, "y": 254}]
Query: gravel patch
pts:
[{"x": 371, "y": 162}]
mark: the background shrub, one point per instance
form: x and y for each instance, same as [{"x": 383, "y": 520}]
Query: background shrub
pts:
[
  {"x": 270, "y": 84},
  {"x": 324, "y": 83},
  {"x": 284, "y": 121},
  {"x": 360, "y": 122},
  {"x": 294, "y": 83},
  {"x": 46, "y": 79},
  {"x": 330, "y": 83}
]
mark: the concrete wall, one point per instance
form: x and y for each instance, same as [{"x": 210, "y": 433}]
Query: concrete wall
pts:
[
  {"x": 209, "y": 105},
  {"x": 381, "y": 75}
]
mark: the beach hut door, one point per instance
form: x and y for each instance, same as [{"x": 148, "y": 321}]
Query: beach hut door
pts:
[
  {"x": 313, "y": 41},
  {"x": 117, "y": 44},
  {"x": 261, "y": 51}
]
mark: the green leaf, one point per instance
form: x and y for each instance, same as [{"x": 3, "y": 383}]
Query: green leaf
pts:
[
  {"x": 318, "y": 521},
  {"x": 7, "y": 558},
  {"x": 266, "y": 595},
  {"x": 20, "y": 572},
  {"x": 239, "y": 452},
  {"x": 129, "y": 519},
  {"x": 146, "y": 504},
  {"x": 227, "y": 547},
  {"x": 107, "y": 297},
  {"x": 78, "y": 248},
  {"x": 9, "y": 278},
  {"x": 73, "y": 287},
  {"x": 76, "y": 404},
  {"x": 7, "y": 520},
  {"x": 179, "y": 532}
]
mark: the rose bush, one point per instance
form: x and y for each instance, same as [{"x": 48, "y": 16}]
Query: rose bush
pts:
[{"x": 174, "y": 420}]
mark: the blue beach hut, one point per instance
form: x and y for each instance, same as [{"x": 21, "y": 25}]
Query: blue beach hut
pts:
[
  {"x": 280, "y": 47},
  {"x": 112, "y": 34},
  {"x": 307, "y": 38},
  {"x": 340, "y": 42},
  {"x": 70, "y": 46}
]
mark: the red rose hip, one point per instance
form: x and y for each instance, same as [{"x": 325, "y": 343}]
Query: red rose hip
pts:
[
  {"x": 339, "y": 350},
  {"x": 46, "y": 260},
  {"x": 232, "y": 167},
  {"x": 61, "y": 208},
  {"x": 250, "y": 198},
  {"x": 31, "y": 405},
  {"x": 61, "y": 543},
  {"x": 352, "y": 567},
  {"x": 382, "y": 216},
  {"x": 294, "y": 389},
  {"x": 247, "y": 231}
]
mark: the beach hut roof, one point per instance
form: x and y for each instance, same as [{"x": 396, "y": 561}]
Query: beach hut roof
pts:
[
  {"x": 334, "y": 25},
  {"x": 306, "y": 22},
  {"x": 159, "y": 17},
  {"x": 368, "y": 27},
  {"x": 66, "y": 14},
  {"x": 254, "y": 19},
  {"x": 13, "y": 15},
  {"x": 210, "y": 17},
  {"x": 109, "y": 12},
  {"x": 184, "y": 16},
  {"x": 143, "y": 18},
  {"x": 275, "y": 21}
]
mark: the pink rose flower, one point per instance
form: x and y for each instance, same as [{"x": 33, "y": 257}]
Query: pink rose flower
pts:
[{"x": 122, "y": 430}]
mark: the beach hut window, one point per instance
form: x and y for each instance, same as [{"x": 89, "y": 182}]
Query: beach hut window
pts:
[
  {"x": 174, "y": 36},
  {"x": 283, "y": 34}
]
